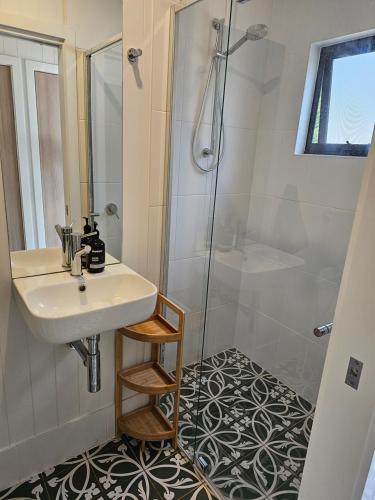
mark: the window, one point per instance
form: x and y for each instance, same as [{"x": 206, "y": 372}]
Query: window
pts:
[{"x": 343, "y": 111}]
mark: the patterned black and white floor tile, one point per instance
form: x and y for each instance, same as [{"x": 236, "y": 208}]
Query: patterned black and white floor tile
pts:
[
  {"x": 124, "y": 469},
  {"x": 250, "y": 428}
]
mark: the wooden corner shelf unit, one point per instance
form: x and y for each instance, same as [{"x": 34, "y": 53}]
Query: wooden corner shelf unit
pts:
[{"x": 149, "y": 423}]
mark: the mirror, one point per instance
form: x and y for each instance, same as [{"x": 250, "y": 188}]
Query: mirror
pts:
[
  {"x": 105, "y": 70},
  {"x": 30, "y": 142},
  {"x": 46, "y": 184}
]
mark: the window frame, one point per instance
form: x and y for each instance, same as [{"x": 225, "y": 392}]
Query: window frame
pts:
[{"x": 322, "y": 92}]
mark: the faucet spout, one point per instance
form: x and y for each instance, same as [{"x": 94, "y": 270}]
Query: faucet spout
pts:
[{"x": 77, "y": 264}]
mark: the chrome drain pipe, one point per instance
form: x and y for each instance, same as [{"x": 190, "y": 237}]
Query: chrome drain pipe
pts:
[{"x": 90, "y": 356}]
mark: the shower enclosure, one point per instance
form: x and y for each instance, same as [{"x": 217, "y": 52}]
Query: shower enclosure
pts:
[{"x": 257, "y": 237}]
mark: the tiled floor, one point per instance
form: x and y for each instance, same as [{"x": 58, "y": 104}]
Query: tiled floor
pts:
[
  {"x": 251, "y": 429},
  {"x": 121, "y": 470}
]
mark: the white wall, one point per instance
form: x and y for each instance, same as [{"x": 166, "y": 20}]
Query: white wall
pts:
[{"x": 46, "y": 413}]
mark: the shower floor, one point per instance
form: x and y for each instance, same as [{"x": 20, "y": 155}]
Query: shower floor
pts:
[{"x": 250, "y": 428}]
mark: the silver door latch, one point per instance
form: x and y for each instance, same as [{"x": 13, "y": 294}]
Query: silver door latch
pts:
[{"x": 134, "y": 54}]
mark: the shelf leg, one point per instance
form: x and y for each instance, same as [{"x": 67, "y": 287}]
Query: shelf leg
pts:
[{"x": 118, "y": 388}]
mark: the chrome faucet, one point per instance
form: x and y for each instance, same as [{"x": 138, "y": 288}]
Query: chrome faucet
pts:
[
  {"x": 77, "y": 262},
  {"x": 65, "y": 234},
  {"x": 71, "y": 246}
]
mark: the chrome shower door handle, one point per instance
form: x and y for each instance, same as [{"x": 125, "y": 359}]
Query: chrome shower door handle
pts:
[{"x": 323, "y": 330}]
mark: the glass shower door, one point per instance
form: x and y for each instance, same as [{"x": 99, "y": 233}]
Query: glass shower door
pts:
[
  {"x": 278, "y": 251},
  {"x": 201, "y": 41},
  {"x": 257, "y": 243}
]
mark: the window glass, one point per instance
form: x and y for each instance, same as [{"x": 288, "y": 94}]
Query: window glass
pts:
[{"x": 343, "y": 111}]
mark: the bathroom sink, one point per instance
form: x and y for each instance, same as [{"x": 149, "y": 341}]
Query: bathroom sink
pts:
[
  {"x": 41, "y": 261},
  {"x": 56, "y": 311}
]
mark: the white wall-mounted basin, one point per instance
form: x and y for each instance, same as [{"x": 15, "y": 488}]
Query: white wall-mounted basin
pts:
[
  {"x": 57, "y": 312},
  {"x": 41, "y": 261}
]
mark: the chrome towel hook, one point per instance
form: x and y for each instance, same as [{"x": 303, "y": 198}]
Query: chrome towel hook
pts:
[{"x": 134, "y": 54}]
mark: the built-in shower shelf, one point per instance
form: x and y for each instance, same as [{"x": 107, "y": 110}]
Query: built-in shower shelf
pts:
[
  {"x": 149, "y": 423},
  {"x": 148, "y": 378}
]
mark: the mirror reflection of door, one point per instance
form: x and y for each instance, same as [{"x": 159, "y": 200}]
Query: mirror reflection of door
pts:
[
  {"x": 50, "y": 148},
  {"x": 30, "y": 143},
  {"x": 9, "y": 162}
]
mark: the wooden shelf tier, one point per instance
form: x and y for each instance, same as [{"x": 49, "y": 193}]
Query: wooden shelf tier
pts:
[
  {"x": 156, "y": 330},
  {"x": 148, "y": 378},
  {"x": 148, "y": 423}
]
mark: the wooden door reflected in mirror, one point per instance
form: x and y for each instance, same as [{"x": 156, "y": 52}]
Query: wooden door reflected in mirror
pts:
[{"x": 30, "y": 142}]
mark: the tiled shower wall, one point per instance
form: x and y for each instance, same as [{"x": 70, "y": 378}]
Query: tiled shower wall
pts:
[
  {"x": 301, "y": 205},
  {"x": 272, "y": 204}
]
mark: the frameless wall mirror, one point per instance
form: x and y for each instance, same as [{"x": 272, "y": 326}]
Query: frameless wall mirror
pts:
[
  {"x": 31, "y": 152},
  {"x": 46, "y": 182}
]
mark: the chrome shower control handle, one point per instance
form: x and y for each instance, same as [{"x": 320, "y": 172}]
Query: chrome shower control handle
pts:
[{"x": 112, "y": 209}]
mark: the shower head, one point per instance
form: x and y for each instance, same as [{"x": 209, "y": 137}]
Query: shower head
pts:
[
  {"x": 253, "y": 33},
  {"x": 256, "y": 32}
]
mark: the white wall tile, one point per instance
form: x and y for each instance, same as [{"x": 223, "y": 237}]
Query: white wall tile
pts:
[
  {"x": 191, "y": 226},
  {"x": 9, "y": 466},
  {"x": 155, "y": 235},
  {"x": 17, "y": 378},
  {"x": 107, "y": 352},
  {"x": 220, "y": 328},
  {"x": 107, "y": 152},
  {"x": 187, "y": 280},
  {"x": 43, "y": 385},
  {"x": 157, "y": 166},
  {"x": 161, "y": 48},
  {"x": 236, "y": 168},
  {"x": 191, "y": 180},
  {"x": 104, "y": 193},
  {"x": 334, "y": 182},
  {"x": 67, "y": 390},
  {"x": 193, "y": 339}
]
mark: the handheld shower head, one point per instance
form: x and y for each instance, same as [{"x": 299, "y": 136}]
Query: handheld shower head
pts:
[
  {"x": 256, "y": 32},
  {"x": 253, "y": 33}
]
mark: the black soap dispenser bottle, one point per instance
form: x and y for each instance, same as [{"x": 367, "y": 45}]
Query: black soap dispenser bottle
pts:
[
  {"x": 96, "y": 258},
  {"x": 85, "y": 241}
]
